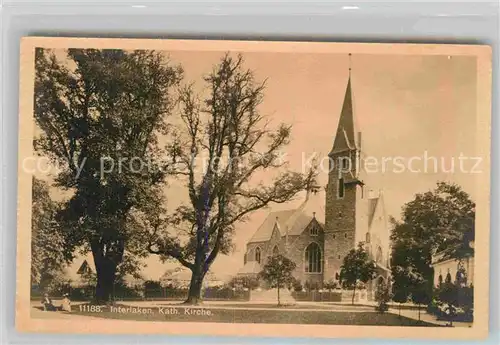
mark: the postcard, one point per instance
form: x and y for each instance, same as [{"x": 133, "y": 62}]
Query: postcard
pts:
[{"x": 253, "y": 188}]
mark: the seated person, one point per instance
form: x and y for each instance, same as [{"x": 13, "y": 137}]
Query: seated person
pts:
[
  {"x": 66, "y": 303},
  {"x": 47, "y": 303}
]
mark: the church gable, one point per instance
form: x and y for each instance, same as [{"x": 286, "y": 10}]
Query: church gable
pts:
[
  {"x": 311, "y": 235},
  {"x": 275, "y": 245},
  {"x": 314, "y": 228}
]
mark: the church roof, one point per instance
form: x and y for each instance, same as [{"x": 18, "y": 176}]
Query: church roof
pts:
[
  {"x": 292, "y": 221},
  {"x": 265, "y": 230},
  {"x": 345, "y": 138},
  {"x": 301, "y": 221}
]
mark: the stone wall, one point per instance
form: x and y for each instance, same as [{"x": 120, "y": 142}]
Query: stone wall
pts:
[{"x": 339, "y": 226}]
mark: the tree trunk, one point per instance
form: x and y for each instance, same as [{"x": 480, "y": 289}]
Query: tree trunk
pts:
[
  {"x": 279, "y": 302},
  {"x": 419, "y": 312},
  {"x": 353, "y": 294},
  {"x": 194, "y": 294},
  {"x": 106, "y": 264},
  {"x": 106, "y": 272},
  {"x": 105, "y": 282}
]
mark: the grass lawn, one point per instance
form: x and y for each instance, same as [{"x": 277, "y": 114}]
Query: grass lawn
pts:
[{"x": 249, "y": 315}]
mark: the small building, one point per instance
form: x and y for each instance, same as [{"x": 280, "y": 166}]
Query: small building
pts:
[
  {"x": 446, "y": 269},
  {"x": 181, "y": 278},
  {"x": 80, "y": 272}
]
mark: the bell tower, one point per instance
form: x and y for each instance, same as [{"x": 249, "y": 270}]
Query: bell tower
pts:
[{"x": 344, "y": 190}]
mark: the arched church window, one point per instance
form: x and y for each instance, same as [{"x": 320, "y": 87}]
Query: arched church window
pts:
[
  {"x": 337, "y": 277},
  {"x": 448, "y": 278},
  {"x": 257, "y": 254},
  {"x": 313, "y": 258},
  {"x": 245, "y": 259},
  {"x": 367, "y": 237},
  {"x": 440, "y": 279},
  {"x": 340, "y": 188},
  {"x": 276, "y": 250},
  {"x": 378, "y": 255}
]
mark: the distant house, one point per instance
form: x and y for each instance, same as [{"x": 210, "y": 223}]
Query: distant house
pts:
[
  {"x": 80, "y": 272},
  {"x": 446, "y": 269},
  {"x": 182, "y": 278}
]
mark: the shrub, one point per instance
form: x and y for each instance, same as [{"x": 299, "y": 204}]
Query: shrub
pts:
[
  {"x": 244, "y": 282},
  {"x": 153, "y": 289},
  {"x": 123, "y": 291},
  {"x": 455, "y": 302},
  {"x": 297, "y": 285},
  {"x": 330, "y": 285},
  {"x": 382, "y": 296}
]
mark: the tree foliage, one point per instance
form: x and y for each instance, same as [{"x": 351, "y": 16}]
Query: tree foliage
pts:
[
  {"x": 225, "y": 145},
  {"x": 101, "y": 113},
  {"x": 48, "y": 240},
  {"x": 441, "y": 220},
  {"x": 357, "y": 267},
  {"x": 400, "y": 286},
  {"x": 277, "y": 272}
]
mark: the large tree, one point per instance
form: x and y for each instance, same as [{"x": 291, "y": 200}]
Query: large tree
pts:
[
  {"x": 441, "y": 220},
  {"x": 229, "y": 165},
  {"x": 101, "y": 113}
]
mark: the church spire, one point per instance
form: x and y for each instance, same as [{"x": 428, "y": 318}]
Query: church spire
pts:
[{"x": 346, "y": 138}]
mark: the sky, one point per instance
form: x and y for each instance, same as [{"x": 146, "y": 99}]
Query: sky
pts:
[{"x": 405, "y": 106}]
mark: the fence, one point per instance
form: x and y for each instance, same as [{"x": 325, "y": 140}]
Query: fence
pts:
[
  {"x": 213, "y": 294},
  {"x": 140, "y": 293},
  {"x": 317, "y": 296}
]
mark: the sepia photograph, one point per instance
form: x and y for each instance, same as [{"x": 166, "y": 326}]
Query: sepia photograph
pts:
[{"x": 253, "y": 188}]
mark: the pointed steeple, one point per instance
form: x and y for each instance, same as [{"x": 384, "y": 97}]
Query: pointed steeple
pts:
[{"x": 346, "y": 137}]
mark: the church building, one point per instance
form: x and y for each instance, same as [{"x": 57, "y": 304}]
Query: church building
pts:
[{"x": 331, "y": 220}]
